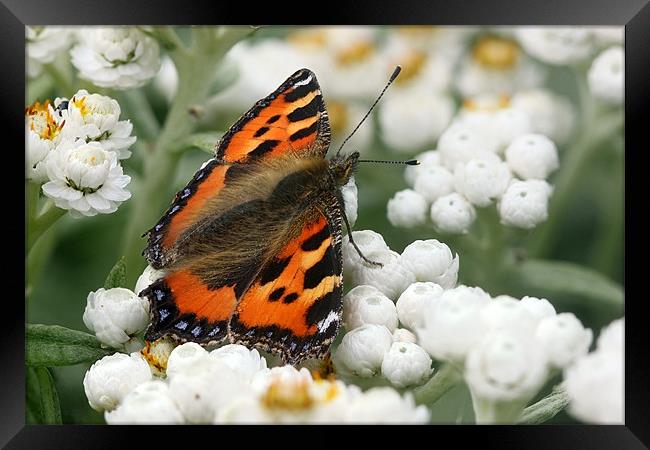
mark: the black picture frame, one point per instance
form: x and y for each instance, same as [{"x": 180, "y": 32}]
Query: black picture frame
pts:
[{"x": 633, "y": 14}]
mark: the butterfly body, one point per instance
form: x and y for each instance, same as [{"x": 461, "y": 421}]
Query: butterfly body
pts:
[{"x": 251, "y": 246}]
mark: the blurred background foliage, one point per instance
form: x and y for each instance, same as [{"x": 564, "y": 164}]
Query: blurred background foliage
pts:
[{"x": 74, "y": 256}]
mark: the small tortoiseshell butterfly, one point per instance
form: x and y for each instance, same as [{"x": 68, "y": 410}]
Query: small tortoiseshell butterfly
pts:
[{"x": 252, "y": 245}]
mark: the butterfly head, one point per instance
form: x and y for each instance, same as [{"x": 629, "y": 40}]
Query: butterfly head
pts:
[{"x": 342, "y": 167}]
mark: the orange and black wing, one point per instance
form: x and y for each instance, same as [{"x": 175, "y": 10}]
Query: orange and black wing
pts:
[
  {"x": 293, "y": 307},
  {"x": 291, "y": 119}
]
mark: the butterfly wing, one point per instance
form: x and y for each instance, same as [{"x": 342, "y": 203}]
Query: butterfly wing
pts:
[
  {"x": 293, "y": 307},
  {"x": 292, "y": 119}
]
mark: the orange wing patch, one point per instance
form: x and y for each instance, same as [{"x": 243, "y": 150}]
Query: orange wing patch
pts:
[{"x": 293, "y": 306}]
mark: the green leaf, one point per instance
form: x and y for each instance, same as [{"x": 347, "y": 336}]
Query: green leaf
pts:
[
  {"x": 567, "y": 285},
  {"x": 117, "y": 276},
  {"x": 42, "y": 397},
  {"x": 53, "y": 345},
  {"x": 204, "y": 141}
]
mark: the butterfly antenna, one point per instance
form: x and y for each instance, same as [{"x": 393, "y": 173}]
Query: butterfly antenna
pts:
[
  {"x": 396, "y": 72},
  {"x": 410, "y": 162}
]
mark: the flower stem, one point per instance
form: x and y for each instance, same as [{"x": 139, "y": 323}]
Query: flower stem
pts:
[
  {"x": 487, "y": 411},
  {"x": 546, "y": 408},
  {"x": 444, "y": 380},
  {"x": 37, "y": 225}
]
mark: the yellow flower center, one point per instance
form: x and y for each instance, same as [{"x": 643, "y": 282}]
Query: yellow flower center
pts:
[
  {"x": 80, "y": 103},
  {"x": 309, "y": 39},
  {"x": 491, "y": 105},
  {"x": 412, "y": 65},
  {"x": 355, "y": 53},
  {"x": 41, "y": 121},
  {"x": 338, "y": 115},
  {"x": 287, "y": 396},
  {"x": 495, "y": 52}
]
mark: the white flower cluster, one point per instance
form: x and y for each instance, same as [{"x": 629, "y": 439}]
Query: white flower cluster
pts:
[
  {"x": 489, "y": 153},
  {"x": 232, "y": 384},
  {"x": 595, "y": 382},
  {"x": 374, "y": 342},
  {"x": 74, "y": 148},
  {"x": 44, "y": 44}
]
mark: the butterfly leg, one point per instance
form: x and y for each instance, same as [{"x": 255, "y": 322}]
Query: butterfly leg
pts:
[{"x": 339, "y": 198}]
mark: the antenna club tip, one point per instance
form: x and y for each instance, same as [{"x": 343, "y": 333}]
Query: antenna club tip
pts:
[
  {"x": 413, "y": 162},
  {"x": 396, "y": 72}
]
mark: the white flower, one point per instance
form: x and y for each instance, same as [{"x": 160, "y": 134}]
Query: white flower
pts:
[
  {"x": 157, "y": 354},
  {"x": 564, "y": 338},
  {"x": 367, "y": 241},
  {"x": 612, "y": 337},
  {"x": 406, "y": 364},
  {"x": 407, "y": 209},
  {"x": 350, "y": 200},
  {"x": 148, "y": 276},
  {"x": 85, "y": 179},
  {"x": 111, "y": 378},
  {"x": 508, "y": 314},
  {"x": 187, "y": 358},
  {"x": 532, "y": 156},
  {"x": 497, "y": 65},
  {"x": 481, "y": 180},
  {"x": 550, "y": 114},
  {"x": 453, "y": 213},
  {"x": 410, "y": 305},
  {"x": 525, "y": 203},
  {"x": 606, "y": 36},
  {"x": 505, "y": 366},
  {"x": 433, "y": 182},
  {"x": 451, "y": 323},
  {"x": 43, "y": 134},
  {"x": 556, "y": 45},
  {"x": 461, "y": 143},
  {"x": 119, "y": 58},
  {"x": 149, "y": 403},
  {"x": 391, "y": 279},
  {"x": 426, "y": 159},
  {"x": 595, "y": 387},
  {"x": 431, "y": 260},
  {"x": 243, "y": 362},
  {"x": 371, "y": 308},
  {"x": 362, "y": 350},
  {"x": 94, "y": 117},
  {"x": 538, "y": 307},
  {"x": 404, "y": 335},
  {"x": 114, "y": 315},
  {"x": 606, "y": 76},
  {"x": 384, "y": 405},
  {"x": 412, "y": 120},
  {"x": 44, "y": 44}
]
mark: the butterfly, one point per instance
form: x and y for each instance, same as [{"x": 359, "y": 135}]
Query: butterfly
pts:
[{"x": 251, "y": 246}]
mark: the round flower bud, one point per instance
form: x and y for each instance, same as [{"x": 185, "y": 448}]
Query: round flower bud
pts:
[
  {"x": 508, "y": 314},
  {"x": 595, "y": 388},
  {"x": 606, "y": 76},
  {"x": 414, "y": 119},
  {"x": 509, "y": 124},
  {"x": 481, "y": 181},
  {"x": 453, "y": 214},
  {"x": 407, "y": 209},
  {"x": 372, "y": 308},
  {"x": 505, "y": 366},
  {"x": 411, "y": 303},
  {"x": 149, "y": 275},
  {"x": 188, "y": 357},
  {"x": 406, "y": 364},
  {"x": 392, "y": 278},
  {"x": 451, "y": 323},
  {"x": 532, "y": 156},
  {"x": 384, "y": 405},
  {"x": 550, "y": 114},
  {"x": 426, "y": 159},
  {"x": 431, "y": 260},
  {"x": 350, "y": 195},
  {"x": 612, "y": 337},
  {"x": 157, "y": 354},
  {"x": 432, "y": 182},
  {"x": 149, "y": 403},
  {"x": 367, "y": 241},
  {"x": 111, "y": 378},
  {"x": 404, "y": 335},
  {"x": 460, "y": 143},
  {"x": 243, "y": 362},
  {"x": 525, "y": 203},
  {"x": 114, "y": 315},
  {"x": 537, "y": 307},
  {"x": 362, "y": 350},
  {"x": 556, "y": 45},
  {"x": 564, "y": 338}
]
